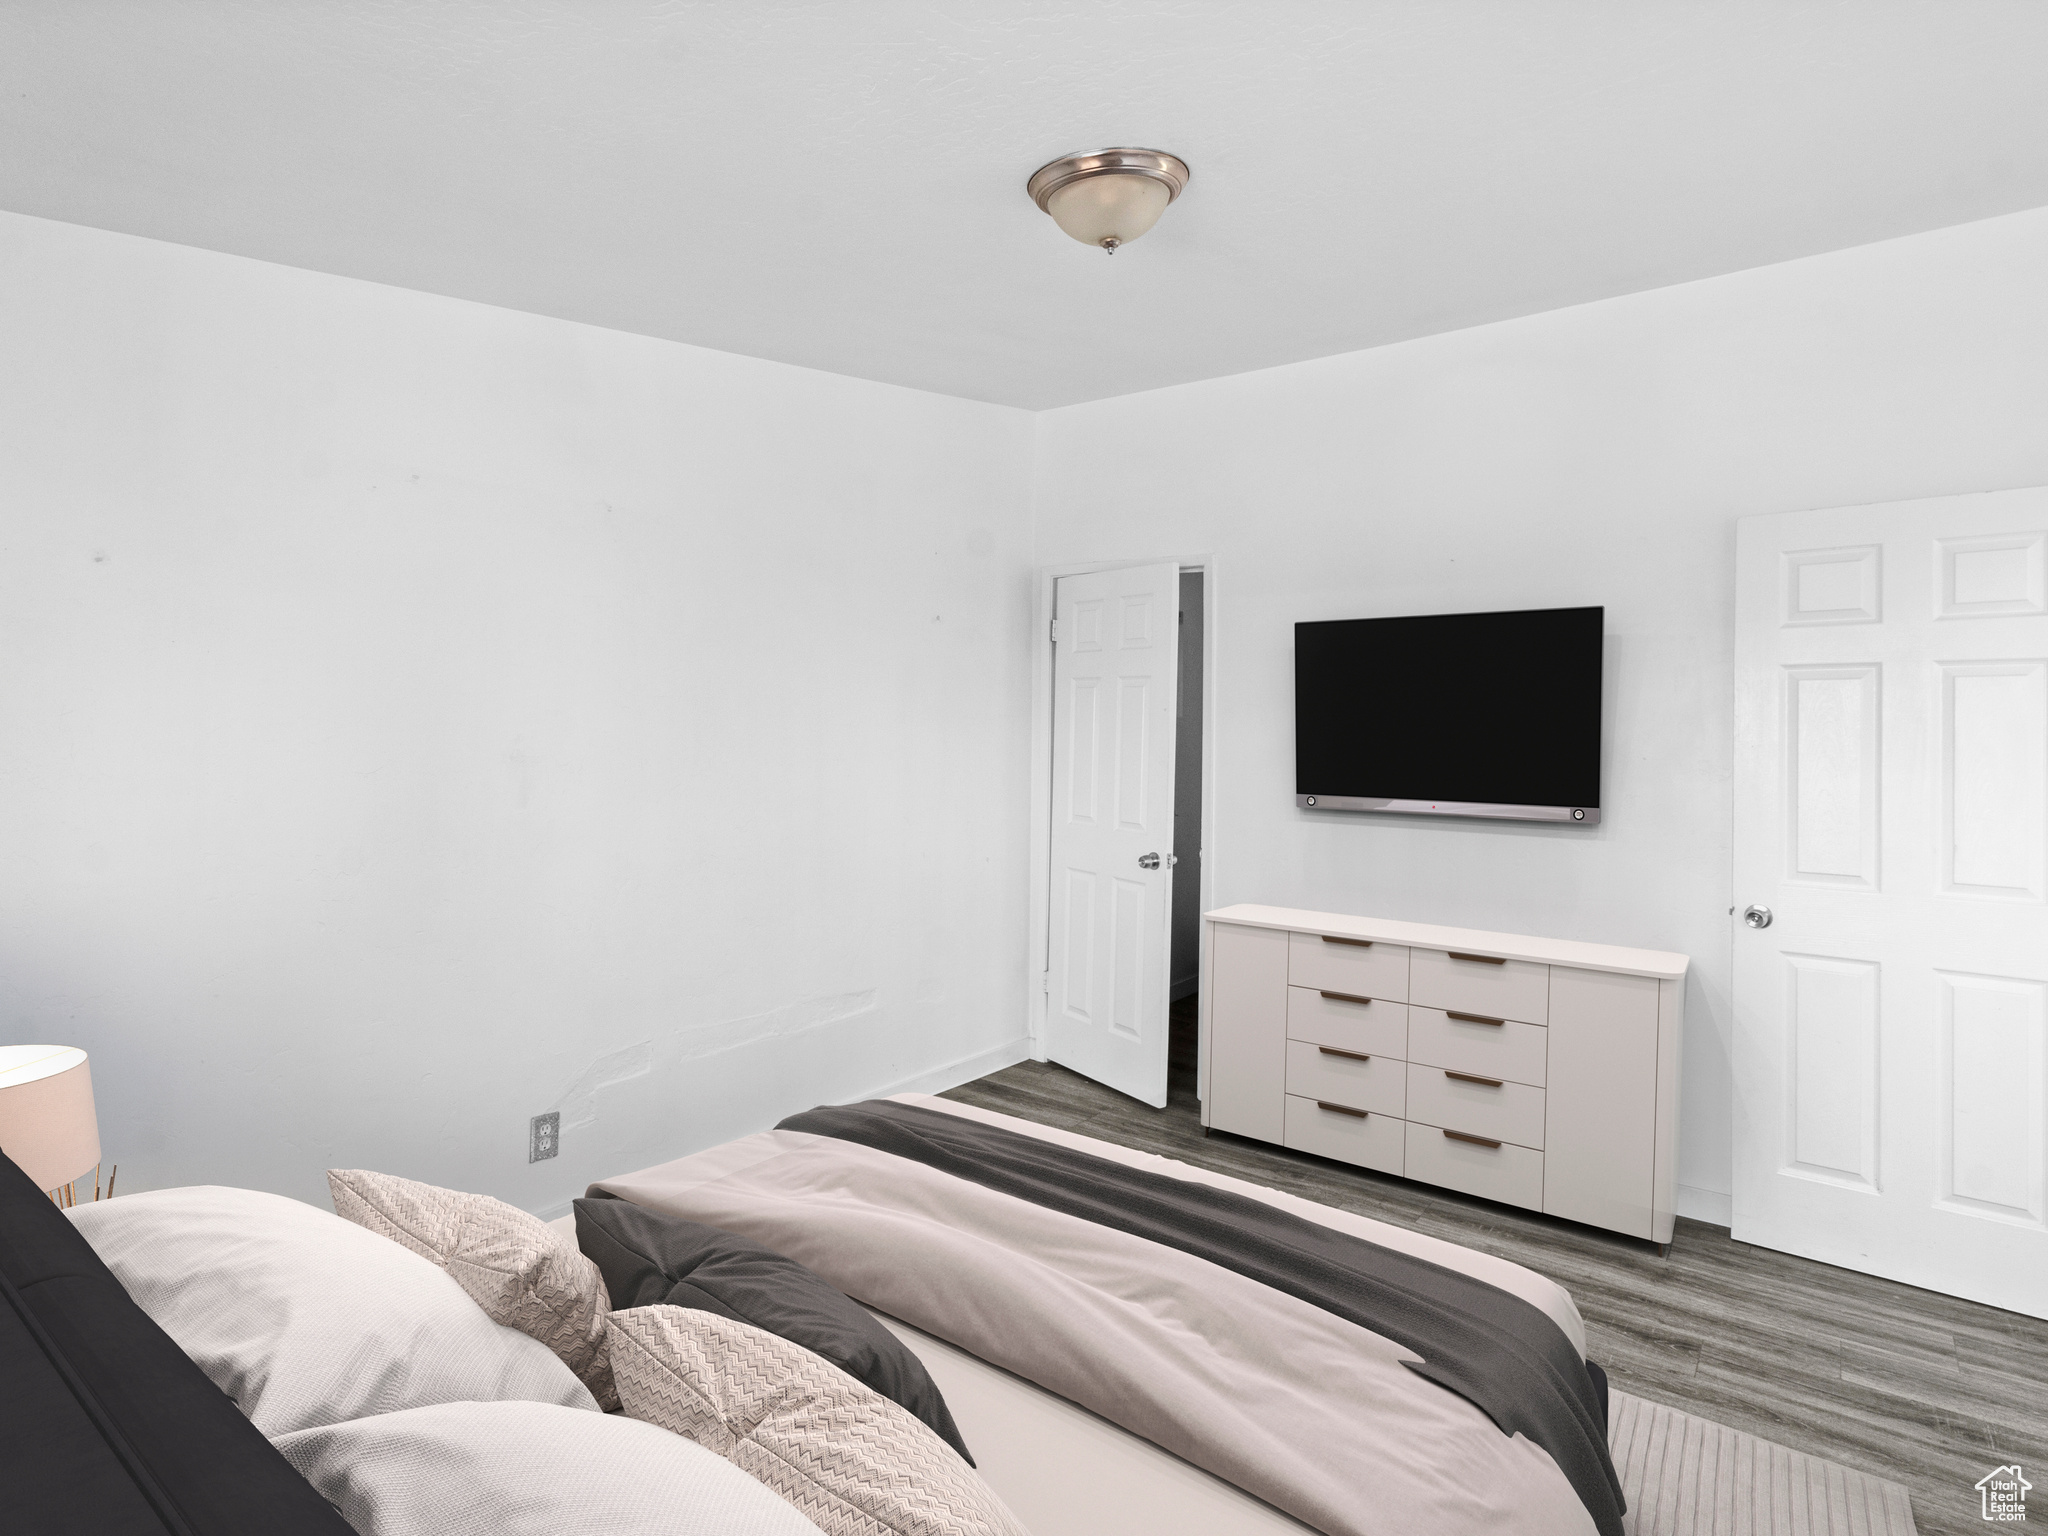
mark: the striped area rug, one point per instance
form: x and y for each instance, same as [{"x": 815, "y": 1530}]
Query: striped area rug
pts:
[{"x": 1686, "y": 1476}]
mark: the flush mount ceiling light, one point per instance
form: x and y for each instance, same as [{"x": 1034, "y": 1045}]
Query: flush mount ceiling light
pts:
[{"x": 1111, "y": 197}]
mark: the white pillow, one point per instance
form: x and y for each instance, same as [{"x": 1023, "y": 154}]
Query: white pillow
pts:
[
  {"x": 524, "y": 1469},
  {"x": 305, "y": 1319}
]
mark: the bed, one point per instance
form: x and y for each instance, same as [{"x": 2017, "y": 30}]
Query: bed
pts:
[
  {"x": 107, "y": 1428},
  {"x": 1127, "y": 1344},
  {"x": 1109, "y": 1381}
]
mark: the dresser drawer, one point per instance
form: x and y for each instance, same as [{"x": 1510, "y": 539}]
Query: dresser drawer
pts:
[
  {"x": 1506, "y": 1049},
  {"x": 1495, "y": 989},
  {"x": 1378, "y": 1083},
  {"x": 1376, "y": 1141},
  {"x": 1502, "y": 1110},
  {"x": 1373, "y": 1026},
  {"x": 1510, "y": 1174},
  {"x": 1348, "y": 965}
]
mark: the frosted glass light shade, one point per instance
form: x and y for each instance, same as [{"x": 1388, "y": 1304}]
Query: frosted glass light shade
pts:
[
  {"x": 47, "y": 1123},
  {"x": 1108, "y": 197},
  {"x": 1114, "y": 207}
]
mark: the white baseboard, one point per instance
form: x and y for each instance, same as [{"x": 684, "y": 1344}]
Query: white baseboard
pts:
[
  {"x": 1708, "y": 1205},
  {"x": 965, "y": 1070}
]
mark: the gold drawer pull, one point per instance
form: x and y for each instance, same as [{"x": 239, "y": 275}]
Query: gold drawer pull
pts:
[
  {"x": 1347, "y": 997},
  {"x": 1477, "y": 1141},
  {"x": 1474, "y": 1018},
  {"x": 1354, "y": 943},
  {"x": 1478, "y": 959},
  {"x": 1467, "y": 1077},
  {"x": 1331, "y": 1050},
  {"x": 1345, "y": 1109}
]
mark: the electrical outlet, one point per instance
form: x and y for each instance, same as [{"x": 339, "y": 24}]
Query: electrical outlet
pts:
[{"x": 544, "y": 1136}]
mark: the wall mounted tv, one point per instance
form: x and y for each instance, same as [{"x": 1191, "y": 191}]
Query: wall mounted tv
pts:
[{"x": 1458, "y": 714}]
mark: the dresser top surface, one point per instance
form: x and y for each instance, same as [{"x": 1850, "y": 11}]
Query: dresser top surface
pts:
[{"x": 1660, "y": 963}]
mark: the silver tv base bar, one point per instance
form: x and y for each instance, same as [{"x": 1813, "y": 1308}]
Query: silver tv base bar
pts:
[{"x": 1571, "y": 815}]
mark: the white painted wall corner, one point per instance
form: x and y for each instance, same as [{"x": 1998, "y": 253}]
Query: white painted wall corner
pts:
[{"x": 1709, "y": 1205}]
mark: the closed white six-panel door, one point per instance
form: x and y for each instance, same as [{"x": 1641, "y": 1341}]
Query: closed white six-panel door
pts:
[
  {"x": 1114, "y": 670},
  {"x": 1891, "y": 809}
]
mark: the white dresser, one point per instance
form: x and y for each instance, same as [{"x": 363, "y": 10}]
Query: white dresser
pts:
[{"x": 1538, "y": 1072}]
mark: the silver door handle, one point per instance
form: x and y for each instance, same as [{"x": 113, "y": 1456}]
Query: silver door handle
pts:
[
  {"x": 1151, "y": 860},
  {"x": 1757, "y": 917}
]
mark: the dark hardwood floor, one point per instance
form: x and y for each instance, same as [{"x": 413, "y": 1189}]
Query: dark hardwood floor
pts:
[{"x": 1927, "y": 1390}]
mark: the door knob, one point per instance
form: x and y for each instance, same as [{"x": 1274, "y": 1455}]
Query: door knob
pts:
[
  {"x": 1152, "y": 861},
  {"x": 1757, "y": 917}
]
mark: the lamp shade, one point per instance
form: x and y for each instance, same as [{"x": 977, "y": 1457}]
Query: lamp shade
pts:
[
  {"x": 1108, "y": 197},
  {"x": 1112, "y": 210},
  {"x": 47, "y": 1124}
]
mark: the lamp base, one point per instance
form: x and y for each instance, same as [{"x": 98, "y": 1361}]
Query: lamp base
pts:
[{"x": 66, "y": 1195}]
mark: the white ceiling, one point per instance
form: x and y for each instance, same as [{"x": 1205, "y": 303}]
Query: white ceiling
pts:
[{"x": 841, "y": 185}]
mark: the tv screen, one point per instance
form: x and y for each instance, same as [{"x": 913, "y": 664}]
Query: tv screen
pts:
[{"x": 1472, "y": 714}]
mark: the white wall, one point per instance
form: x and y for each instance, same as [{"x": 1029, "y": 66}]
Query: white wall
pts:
[
  {"x": 420, "y": 715},
  {"x": 1592, "y": 455}
]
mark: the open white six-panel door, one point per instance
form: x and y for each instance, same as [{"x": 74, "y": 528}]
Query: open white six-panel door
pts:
[
  {"x": 1115, "y": 659},
  {"x": 1891, "y": 812}
]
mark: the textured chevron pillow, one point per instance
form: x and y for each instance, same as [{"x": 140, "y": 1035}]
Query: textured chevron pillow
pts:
[
  {"x": 522, "y": 1272},
  {"x": 853, "y": 1462}
]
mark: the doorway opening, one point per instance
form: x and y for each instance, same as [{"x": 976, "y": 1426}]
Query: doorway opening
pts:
[{"x": 1185, "y": 967}]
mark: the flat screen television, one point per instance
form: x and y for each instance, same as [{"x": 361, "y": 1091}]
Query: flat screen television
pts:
[{"x": 1456, "y": 714}]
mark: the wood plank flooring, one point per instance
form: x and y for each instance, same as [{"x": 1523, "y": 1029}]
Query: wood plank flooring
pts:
[{"x": 1927, "y": 1390}]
